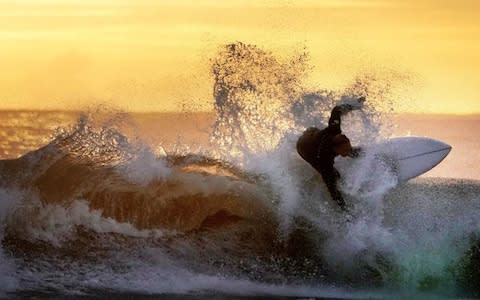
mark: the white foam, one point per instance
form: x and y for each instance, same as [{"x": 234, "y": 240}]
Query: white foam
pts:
[
  {"x": 145, "y": 167},
  {"x": 180, "y": 281},
  {"x": 284, "y": 181},
  {"x": 56, "y": 224},
  {"x": 367, "y": 177},
  {"x": 8, "y": 280}
]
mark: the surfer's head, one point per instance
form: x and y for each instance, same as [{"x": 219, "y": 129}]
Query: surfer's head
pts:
[{"x": 341, "y": 145}]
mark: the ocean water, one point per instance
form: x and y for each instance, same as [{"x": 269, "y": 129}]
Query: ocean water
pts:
[{"x": 105, "y": 203}]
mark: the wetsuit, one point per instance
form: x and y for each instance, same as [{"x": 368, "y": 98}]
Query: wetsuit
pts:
[{"x": 317, "y": 148}]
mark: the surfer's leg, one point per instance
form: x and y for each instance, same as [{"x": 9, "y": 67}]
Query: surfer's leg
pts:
[{"x": 330, "y": 179}]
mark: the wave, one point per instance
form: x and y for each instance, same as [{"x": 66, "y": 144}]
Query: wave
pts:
[
  {"x": 98, "y": 209},
  {"x": 203, "y": 215}
]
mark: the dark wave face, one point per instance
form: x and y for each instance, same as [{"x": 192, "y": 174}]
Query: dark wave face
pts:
[{"x": 97, "y": 211}]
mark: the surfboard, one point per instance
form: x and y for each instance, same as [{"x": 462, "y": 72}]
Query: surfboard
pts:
[{"x": 412, "y": 156}]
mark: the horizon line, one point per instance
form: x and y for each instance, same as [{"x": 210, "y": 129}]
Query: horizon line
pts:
[{"x": 113, "y": 110}]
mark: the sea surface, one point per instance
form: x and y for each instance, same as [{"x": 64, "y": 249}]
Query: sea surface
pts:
[
  {"x": 104, "y": 203},
  {"x": 109, "y": 204}
]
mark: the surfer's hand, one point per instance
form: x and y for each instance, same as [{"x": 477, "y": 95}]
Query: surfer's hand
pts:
[{"x": 354, "y": 102}]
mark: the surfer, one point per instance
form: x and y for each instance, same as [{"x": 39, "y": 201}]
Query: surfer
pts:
[{"x": 320, "y": 147}]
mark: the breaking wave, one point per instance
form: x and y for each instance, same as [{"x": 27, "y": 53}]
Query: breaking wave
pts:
[{"x": 97, "y": 210}]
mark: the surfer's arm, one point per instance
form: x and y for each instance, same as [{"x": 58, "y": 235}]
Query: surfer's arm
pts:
[
  {"x": 337, "y": 112},
  {"x": 342, "y": 109}
]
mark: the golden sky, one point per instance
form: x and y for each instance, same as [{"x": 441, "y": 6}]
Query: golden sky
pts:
[{"x": 146, "y": 55}]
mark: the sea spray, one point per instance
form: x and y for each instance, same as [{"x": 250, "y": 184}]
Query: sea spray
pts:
[
  {"x": 244, "y": 216},
  {"x": 257, "y": 125},
  {"x": 256, "y": 136},
  {"x": 145, "y": 167},
  {"x": 262, "y": 107},
  {"x": 433, "y": 223},
  {"x": 252, "y": 91}
]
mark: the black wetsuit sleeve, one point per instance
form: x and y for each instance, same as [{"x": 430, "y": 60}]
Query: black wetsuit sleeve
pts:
[{"x": 335, "y": 118}]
